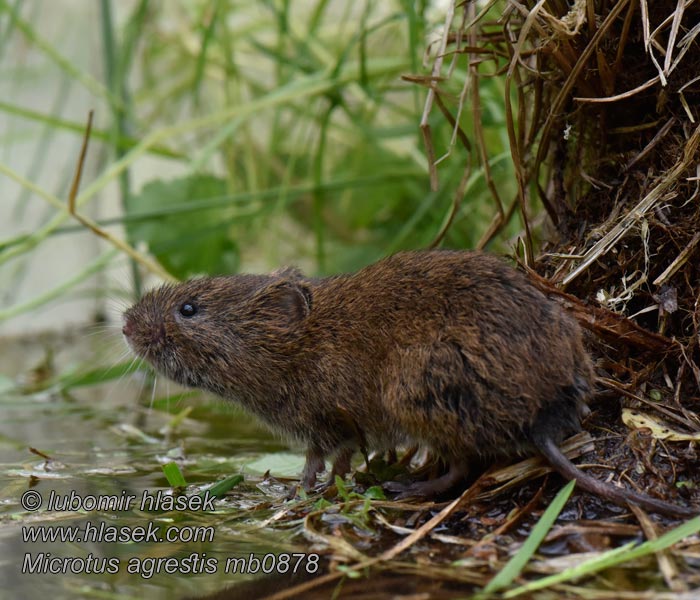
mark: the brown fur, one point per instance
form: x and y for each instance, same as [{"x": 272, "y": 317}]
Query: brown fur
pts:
[{"x": 452, "y": 350}]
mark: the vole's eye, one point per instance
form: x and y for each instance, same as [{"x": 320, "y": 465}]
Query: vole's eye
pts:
[{"x": 188, "y": 309}]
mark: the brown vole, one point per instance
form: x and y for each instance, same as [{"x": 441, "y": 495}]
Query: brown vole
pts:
[{"x": 452, "y": 350}]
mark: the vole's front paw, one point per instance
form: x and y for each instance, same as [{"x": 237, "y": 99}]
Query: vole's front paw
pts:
[{"x": 295, "y": 490}]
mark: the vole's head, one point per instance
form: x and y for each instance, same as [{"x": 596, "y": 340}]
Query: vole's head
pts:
[{"x": 219, "y": 332}]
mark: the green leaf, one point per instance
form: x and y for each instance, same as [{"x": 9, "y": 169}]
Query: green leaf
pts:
[
  {"x": 184, "y": 244},
  {"x": 219, "y": 489},
  {"x": 375, "y": 493},
  {"x": 174, "y": 475},
  {"x": 322, "y": 504}
]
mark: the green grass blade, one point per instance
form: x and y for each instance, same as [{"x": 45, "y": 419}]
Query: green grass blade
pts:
[
  {"x": 218, "y": 490},
  {"x": 207, "y": 36},
  {"x": 516, "y": 564},
  {"x": 612, "y": 558},
  {"x": 56, "y": 123}
]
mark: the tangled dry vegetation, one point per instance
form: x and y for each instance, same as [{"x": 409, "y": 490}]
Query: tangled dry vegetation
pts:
[{"x": 604, "y": 127}]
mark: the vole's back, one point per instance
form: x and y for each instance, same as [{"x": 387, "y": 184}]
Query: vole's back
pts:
[{"x": 469, "y": 356}]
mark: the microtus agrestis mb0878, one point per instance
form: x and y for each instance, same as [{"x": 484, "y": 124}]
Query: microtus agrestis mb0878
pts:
[{"x": 452, "y": 350}]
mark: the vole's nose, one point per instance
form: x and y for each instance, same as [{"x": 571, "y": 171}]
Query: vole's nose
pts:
[{"x": 128, "y": 328}]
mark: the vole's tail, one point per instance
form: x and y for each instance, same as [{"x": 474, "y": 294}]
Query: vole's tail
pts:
[{"x": 565, "y": 467}]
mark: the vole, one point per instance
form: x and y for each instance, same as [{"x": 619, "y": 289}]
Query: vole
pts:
[{"x": 452, "y": 350}]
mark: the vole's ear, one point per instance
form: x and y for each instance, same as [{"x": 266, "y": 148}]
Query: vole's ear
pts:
[
  {"x": 289, "y": 273},
  {"x": 286, "y": 300}
]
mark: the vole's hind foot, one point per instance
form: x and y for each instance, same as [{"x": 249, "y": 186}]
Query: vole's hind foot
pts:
[
  {"x": 430, "y": 488},
  {"x": 341, "y": 467},
  {"x": 418, "y": 489},
  {"x": 341, "y": 464}
]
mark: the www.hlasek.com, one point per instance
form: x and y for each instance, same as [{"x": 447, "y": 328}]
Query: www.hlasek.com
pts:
[{"x": 100, "y": 531}]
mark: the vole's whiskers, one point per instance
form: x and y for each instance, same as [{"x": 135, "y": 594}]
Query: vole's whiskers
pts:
[
  {"x": 131, "y": 367},
  {"x": 153, "y": 392},
  {"x": 168, "y": 393}
]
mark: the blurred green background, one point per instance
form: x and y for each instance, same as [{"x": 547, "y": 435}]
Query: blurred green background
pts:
[{"x": 229, "y": 136}]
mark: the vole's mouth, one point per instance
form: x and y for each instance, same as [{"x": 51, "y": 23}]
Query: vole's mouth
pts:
[
  {"x": 146, "y": 338},
  {"x": 128, "y": 328},
  {"x": 143, "y": 350}
]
